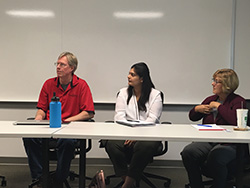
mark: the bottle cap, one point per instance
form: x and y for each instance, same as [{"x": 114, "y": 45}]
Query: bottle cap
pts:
[{"x": 55, "y": 98}]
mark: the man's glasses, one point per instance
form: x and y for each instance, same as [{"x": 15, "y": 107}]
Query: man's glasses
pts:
[
  {"x": 60, "y": 64},
  {"x": 215, "y": 81}
]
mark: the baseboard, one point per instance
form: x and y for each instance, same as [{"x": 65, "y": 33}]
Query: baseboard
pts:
[{"x": 91, "y": 162}]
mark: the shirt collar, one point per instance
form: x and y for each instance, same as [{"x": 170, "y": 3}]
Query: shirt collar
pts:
[{"x": 73, "y": 82}]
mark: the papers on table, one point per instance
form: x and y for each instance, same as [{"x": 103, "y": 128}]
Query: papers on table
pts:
[
  {"x": 134, "y": 123},
  {"x": 210, "y": 127}
]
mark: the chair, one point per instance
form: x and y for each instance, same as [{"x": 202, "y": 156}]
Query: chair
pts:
[
  {"x": 3, "y": 182},
  {"x": 247, "y": 163},
  {"x": 163, "y": 148},
  {"x": 72, "y": 174},
  {"x": 53, "y": 157},
  {"x": 248, "y": 107}
]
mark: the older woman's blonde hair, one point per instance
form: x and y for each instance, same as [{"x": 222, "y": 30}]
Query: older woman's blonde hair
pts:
[
  {"x": 228, "y": 78},
  {"x": 72, "y": 60}
]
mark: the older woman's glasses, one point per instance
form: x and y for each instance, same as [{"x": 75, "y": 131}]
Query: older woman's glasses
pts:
[
  {"x": 215, "y": 81},
  {"x": 60, "y": 64}
]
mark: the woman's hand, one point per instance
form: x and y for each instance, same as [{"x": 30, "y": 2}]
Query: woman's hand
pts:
[
  {"x": 129, "y": 143},
  {"x": 203, "y": 108},
  {"x": 214, "y": 104}
]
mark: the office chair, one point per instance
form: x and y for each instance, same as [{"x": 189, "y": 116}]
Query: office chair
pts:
[
  {"x": 161, "y": 151},
  {"x": 163, "y": 148},
  {"x": 53, "y": 157},
  {"x": 72, "y": 174},
  {"x": 247, "y": 164},
  {"x": 3, "y": 182}
]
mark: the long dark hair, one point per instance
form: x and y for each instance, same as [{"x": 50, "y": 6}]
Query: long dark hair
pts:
[{"x": 141, "y": 69}]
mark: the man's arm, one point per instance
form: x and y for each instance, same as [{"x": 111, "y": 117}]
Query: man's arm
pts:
[
  {"x": 84, "y": 115},
  {"x": 40, "y": 114}
]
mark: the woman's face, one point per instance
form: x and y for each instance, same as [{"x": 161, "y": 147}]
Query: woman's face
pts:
[
  {"x": 217, "y": 86},
  {"x": 133, "y": 79}
]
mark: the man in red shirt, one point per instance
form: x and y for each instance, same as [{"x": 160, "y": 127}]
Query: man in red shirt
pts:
[{"x": 77, "y": 104}]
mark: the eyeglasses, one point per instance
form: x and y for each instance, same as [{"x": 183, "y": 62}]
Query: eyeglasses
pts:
[
  {"x": 216, "y": 81},
  {"x": 60, "y": 64}
]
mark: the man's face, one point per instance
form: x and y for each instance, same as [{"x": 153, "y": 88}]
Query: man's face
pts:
[{"x": 63, "y": 69}]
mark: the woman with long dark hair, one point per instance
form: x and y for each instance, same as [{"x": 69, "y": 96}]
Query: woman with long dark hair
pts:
[{"x": 138, "y": 101}]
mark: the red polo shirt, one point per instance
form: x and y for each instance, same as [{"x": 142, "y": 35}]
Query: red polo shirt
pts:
[{"x": 75, "y": 99}]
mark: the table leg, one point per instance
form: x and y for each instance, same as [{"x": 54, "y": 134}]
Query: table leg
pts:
[
  {"x": 82, "y": 164},
  {"x": 45, "y": 150}
]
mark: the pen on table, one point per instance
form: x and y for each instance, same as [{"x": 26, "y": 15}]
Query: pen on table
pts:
[{"x": 204, "y": 125}]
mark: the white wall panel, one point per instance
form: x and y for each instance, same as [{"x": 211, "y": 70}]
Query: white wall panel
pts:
[{"x": 183, "y": 47}]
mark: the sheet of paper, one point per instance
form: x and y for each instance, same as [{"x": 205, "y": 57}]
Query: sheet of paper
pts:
[{"x": 206, "y": 127}]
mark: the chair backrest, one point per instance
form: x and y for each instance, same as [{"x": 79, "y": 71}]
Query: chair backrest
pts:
[
  {"x": 89, "y": 144},
  {"x": 53, "y": 144},
  {"x": 162, "y": 97},
  {"x": 248, "y": 107},
  {"x": 164, "y": 146},
  {"x": 248, "y": 123}
]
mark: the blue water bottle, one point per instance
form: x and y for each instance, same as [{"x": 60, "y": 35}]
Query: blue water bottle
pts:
[{"x": 55, "y": 112}]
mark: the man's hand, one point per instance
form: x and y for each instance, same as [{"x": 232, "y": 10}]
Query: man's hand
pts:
[{"x": 40, "y": 115}]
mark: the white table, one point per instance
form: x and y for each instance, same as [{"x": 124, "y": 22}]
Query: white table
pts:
[
  {"x": 163, "y": 132},
  {"x": 8, "y": 130},
  {"x": 95, "y": 130}
]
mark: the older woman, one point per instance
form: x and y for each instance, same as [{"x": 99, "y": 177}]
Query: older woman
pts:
[
  {"x": 219, "y": 109},
  {"x": 138, "y": 101}
]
